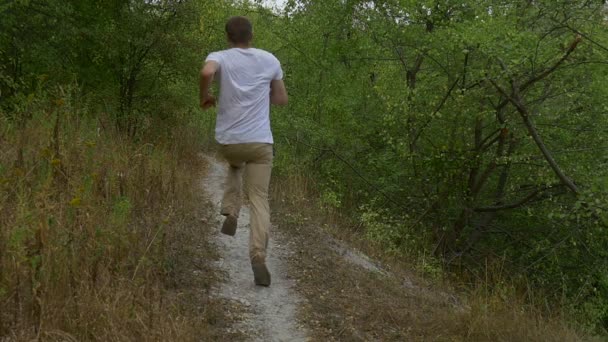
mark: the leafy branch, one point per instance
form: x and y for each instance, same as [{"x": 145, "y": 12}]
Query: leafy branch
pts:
[{"x": 515, "y": 98}]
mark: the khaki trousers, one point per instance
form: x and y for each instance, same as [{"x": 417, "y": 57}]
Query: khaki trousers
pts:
[{"x": 251, "y": 163}]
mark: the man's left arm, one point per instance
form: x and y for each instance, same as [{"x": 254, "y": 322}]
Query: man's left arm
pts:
[{"x": 206, "y": 78}]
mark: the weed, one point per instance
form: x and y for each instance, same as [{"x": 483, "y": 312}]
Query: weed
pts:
[{"x": 91, "y": 226}]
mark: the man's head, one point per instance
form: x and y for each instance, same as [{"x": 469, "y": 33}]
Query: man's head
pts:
[{"x": 239, "y": 31}]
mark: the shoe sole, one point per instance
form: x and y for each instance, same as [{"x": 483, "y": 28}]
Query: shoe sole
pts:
[
  {"x": 229, "y": 226},
  {"x": 261, "y": 274}
]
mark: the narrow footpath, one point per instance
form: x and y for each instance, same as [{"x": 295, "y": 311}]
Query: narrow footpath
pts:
[{"x": 272, "y": 310}]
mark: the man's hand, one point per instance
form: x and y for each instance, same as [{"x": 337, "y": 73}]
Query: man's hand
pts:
[
  {"x": 206, "y": 77},
  {"x": 207, "y": 102}
]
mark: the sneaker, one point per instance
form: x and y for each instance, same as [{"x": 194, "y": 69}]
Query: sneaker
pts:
[
  {"x": 261, "y": 275},
  {"x": 229, "y": 226}
]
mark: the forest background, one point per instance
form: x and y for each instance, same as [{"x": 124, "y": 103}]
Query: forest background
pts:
[{"x": 467, "y": 137}]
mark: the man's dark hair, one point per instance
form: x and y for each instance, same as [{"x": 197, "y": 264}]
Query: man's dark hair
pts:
[{"x": 239, "y": 30}]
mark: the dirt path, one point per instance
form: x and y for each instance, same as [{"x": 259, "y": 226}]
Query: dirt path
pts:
[
  {"x": 342, "y": 294},
  {"x": 272, "y": 314}
]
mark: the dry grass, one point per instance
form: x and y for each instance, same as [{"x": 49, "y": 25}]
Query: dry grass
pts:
[
  {"x": 101, "y": 237},
  {"x": 349, "y": 303}
]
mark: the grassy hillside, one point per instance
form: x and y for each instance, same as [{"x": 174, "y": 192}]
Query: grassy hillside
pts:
[{"x": 99, "y": 231}]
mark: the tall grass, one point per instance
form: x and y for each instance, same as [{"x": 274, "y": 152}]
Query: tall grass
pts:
[
  {"x": 88, "y": 225},
  {"x": 492, "y": 308}
]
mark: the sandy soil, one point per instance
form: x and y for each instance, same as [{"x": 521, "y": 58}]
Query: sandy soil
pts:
[{"x": 271, "y": 314}]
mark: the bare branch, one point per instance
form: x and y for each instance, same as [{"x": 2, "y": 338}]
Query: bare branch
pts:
[
  {"x": 527, "y": 84},
  {"x": 554, "y": 67},
  {"x": 514, "y": 205},
  {"x": 587, "y": 38},
  {"x": 516, "y": 100}
]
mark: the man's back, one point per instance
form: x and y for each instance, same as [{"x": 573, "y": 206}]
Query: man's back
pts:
[{"x": 245, "y": 75}]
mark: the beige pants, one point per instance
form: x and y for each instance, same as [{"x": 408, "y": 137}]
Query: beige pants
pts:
[{"x": 251, "y": 163}]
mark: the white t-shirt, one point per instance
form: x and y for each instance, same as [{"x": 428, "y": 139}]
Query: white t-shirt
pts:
[{"x": 244, "y": 104}]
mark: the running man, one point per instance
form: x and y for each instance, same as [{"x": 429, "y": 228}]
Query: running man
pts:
[{"x": 250, "y": 80}]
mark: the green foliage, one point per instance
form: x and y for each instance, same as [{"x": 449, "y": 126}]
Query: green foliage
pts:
[
  {"x": 134, "y": 59},
  {"x": 99, "y": 136},
  {"x": 423, "y": 113},
  {"x": 472, "y": 131}
]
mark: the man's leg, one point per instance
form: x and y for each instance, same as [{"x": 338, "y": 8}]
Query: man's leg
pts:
[
  {"x": 232, "y": 199},
  {"x": 257, "y": 179}
]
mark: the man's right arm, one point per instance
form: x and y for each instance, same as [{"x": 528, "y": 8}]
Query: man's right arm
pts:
[{"x": 278, "y": 93}]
